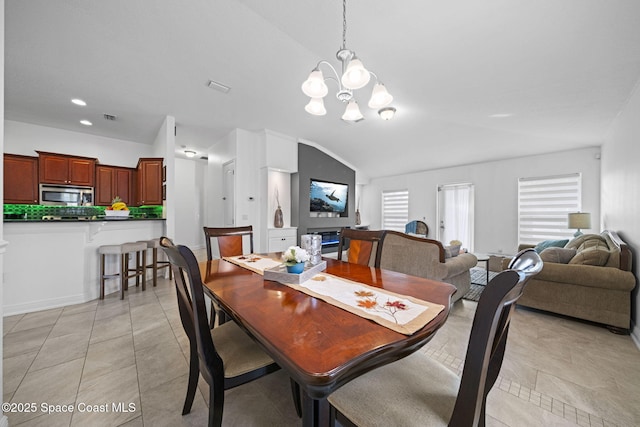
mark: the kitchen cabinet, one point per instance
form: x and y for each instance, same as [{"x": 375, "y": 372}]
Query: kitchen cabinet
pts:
[
  {"x": 66, "y": 170},
  {"x": 281, "y": 238},
  {"x": 112, "y": 181},
  {"x": 20, "y": 179},
  {"x": 149, "y": 181}
]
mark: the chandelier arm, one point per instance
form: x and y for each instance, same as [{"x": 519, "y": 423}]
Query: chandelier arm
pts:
[{"x": 336, "y": 78}]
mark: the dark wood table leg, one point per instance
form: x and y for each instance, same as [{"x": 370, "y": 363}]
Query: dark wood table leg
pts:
[{"x": 315, "y": 412}]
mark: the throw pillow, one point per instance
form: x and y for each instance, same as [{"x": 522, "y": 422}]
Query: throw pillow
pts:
[
  {"x": 557, "y": 255},
  {"x": 591, "y": 256},
  {"x": 447, "y": 252},
  {"x": 550, "y": 244}
]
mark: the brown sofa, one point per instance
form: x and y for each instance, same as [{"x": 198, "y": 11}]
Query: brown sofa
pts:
[
  {"x": 423, "y": 257},
  {"x": 593, "y": 284}
]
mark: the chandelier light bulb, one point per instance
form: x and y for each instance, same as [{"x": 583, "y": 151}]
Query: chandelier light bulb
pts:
[
  {"x": 379, "y": 97},
  {"x": 352, "y": 112},
  {"x": 314, "y": 86},
  {"x": 355, "y": 76},
  {"x": 316, "y": 107}
]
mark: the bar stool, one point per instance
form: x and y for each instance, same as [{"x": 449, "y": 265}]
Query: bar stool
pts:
[
  {"x": 155, "y": 265},
  {"x": 125, "y": 272}
]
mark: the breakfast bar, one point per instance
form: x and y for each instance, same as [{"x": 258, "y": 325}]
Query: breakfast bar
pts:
[{"x": 53, "y": 263}]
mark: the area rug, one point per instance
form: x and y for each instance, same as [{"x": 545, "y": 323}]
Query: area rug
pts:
[
  {"x": 478, "y": 282},
  {"x": 474, "y": 293},
  {"x": 479, "y": 276}
]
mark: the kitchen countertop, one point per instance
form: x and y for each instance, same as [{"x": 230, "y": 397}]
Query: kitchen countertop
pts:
[{"x": 97, "y": 219}]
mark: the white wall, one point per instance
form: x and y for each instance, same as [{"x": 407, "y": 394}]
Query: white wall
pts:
[
  {"x": 25, "y": 138},
  {"x": 621, "y": 190},
  {"x": 189, "y": 202},
  {"x": 496, "y": 193}
]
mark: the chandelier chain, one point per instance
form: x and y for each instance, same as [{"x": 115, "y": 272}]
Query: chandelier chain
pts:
[{"x": 344, "y": 24}]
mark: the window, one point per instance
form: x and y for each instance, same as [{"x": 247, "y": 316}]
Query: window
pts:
[
  {"x": 544, "y": 205},
  {"x": 395, "y": 210}
]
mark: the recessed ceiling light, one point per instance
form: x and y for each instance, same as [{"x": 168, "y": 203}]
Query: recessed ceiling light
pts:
[
  {"x": 86, "y": 122},
  {"x": 79, "y": 102},
  {"x": 189, "y": 153},
  {"x": 500, "y": 115}
]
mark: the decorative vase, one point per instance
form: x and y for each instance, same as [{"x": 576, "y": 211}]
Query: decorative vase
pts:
[
  {"x": 278, "y": 222},
  {"x": 296, "y": 268},
  {"x": 357, "y": 217}
]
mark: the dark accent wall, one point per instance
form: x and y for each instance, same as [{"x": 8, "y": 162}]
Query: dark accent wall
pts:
[{"x": 313, "y": 163}]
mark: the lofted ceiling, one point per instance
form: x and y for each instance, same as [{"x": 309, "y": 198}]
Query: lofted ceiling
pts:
[{"x": 561, "y": 70}]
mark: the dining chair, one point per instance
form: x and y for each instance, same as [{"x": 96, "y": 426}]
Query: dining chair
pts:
[
  {"x": 225, "y": 356},
  {"x": 420, "y": 391},
  {"x": 229, "y": 240},
  {"x": 230, "y": 243},
  {"x": 364, "y": 246}
]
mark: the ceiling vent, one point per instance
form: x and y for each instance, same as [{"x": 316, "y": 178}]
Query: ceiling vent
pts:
[
  {"x": 204, "y": 158},
  {"x": 109, "y": 117},
  {"x": 218, "y": 86}
]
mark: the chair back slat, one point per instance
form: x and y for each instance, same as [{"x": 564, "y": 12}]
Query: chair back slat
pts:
[
  {"x": 191, "y": 303},
  {"x": 489, "y": 332},
  {"x": 362, "y": 244}
]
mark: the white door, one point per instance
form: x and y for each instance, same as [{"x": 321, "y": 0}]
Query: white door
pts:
[
  {"x": 455, "y": 214},
  {"x": 228, "y": 191}
]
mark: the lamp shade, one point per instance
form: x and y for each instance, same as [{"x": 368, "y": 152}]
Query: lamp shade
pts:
[
  {"x": 352, "y": 112},
  {"x": 314, "y": 86},
  {"x": 580, "y": 220},
  {"x": 379, "y": 97},
  {"x": 355, "y": 76},
  {"x": 316, "y": 107}
]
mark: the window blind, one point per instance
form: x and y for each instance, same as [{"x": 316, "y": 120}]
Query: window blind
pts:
[
  {"x": 395, "y": 210},
  {"x": 544, "y": 204}
]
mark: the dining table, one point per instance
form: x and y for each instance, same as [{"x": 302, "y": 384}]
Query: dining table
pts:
[{"x": 320, "y": 345}]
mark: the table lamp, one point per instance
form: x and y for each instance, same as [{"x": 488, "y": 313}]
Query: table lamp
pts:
[{"x": 579, "y": 220}]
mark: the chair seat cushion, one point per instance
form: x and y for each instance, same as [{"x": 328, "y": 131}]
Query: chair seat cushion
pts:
[
  {"x": 239, "y": 353},
  {"x": 415, "y": 391}
]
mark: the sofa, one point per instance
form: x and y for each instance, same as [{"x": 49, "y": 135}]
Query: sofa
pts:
[
  {"x": 590, "y": 278},
  {"x": 423, "y": 257}
]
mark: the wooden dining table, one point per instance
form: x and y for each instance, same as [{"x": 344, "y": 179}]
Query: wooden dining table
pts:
[{"x": 320, "y": 345}]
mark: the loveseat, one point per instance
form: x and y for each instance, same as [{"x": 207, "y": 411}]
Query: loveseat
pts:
[
  {"x": 423, "y": 257},
  {"x": 589, "y": 278}
]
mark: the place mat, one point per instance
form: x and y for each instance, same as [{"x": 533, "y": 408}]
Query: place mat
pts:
[
  {"x": 255, "y": 263},
  {"x": 400, "y": 313}
]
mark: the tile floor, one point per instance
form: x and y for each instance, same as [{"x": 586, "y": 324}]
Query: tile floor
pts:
[{"x": 557, "y": 372}]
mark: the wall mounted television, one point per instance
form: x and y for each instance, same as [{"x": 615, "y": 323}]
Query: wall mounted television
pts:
[{"x": 328, "y": 197}]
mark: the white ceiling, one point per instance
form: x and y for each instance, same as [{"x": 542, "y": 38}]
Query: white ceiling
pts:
[{"x": 563, "y": 69}]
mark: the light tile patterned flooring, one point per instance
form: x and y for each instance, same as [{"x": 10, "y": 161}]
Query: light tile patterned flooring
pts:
[{"x": 557, "y": 372}]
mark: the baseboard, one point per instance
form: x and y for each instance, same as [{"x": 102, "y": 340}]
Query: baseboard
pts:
[
  {"x": 635, "y": 335},
  {"x": 10, "y": 310}
]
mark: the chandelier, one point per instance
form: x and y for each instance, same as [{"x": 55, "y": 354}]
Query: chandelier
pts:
[{"x": 354, "y": 76}]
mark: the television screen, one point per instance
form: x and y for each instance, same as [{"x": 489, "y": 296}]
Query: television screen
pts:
[{"x": 328, "y": 196}]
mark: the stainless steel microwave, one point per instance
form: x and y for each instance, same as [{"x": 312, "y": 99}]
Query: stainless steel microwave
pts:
[{"x": 65, "y": 195}]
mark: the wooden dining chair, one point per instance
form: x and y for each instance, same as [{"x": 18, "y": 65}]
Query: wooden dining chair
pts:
[
  {"x": 364, "y": 246},
  {"x": 229, "y": 240},
  {"x": 225, "y": 356},
  {"x": 419, "y": 391},
  {"x": 230, "y": 243}
]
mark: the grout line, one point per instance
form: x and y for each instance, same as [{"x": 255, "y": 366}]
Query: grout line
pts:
[{"x": 546, "y": 402}]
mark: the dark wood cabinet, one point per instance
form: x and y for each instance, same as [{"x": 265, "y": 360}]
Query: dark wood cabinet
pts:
[
  {"x": 20, "y": 179},
  {"x": 149, "y": 181},
  {"x": 66, "y": 170},
  {"x": 112, "y": 181}
]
